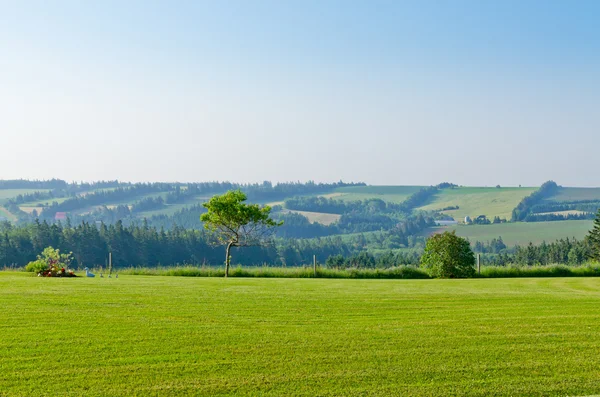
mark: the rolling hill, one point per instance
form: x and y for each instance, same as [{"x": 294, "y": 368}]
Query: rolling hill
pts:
[
  {"x": 521, "y": 233},
  {"x": 392, "y": 194},
  {"x": 475, "y": 201},
  {"x": 576, "y": 194},
  {"x": 471, "y": 201}
]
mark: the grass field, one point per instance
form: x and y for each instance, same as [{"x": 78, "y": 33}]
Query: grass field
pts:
[
  {"x": 171, "y": 209},
  {"x": 576, "y": 193},
  {"x": 39, "y": 203},
  {"x": 29, "y": 210},
  {"x": 475, "y": 201},
  {"x": 522, "y": 233},
  {"x": 172, "y": 336},
  {"x": 392, "y": 194},
  {"x": 318, "y": 217},
  {"x": 4, "y": 213},
  {"x": 6, "y": 194},
  {"x": 570, "y": 212}
]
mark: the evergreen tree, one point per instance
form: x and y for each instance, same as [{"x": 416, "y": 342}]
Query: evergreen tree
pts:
[{"x": 594, "y": 239}]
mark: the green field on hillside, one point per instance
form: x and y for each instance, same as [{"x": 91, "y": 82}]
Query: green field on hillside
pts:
[
  {"x": 39, "y": 203},
  {"x": 113, "y": 203},
  {"x": 172, "y": 336},
  {"x": 576, "y": 193},
  {"x": 522, "y": 233},
  {"x": 5, "y": 214},
  {"x": 392, "y": 194},
  {"x": 171, "y": 209},
  {"x": 475, "y": 201},
  {"x": 6, "y": 194},
  {"x": 318, "y": 217}
]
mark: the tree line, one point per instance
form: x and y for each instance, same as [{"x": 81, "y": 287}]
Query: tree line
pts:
[
  {"x": 144, "y": 245},
  {"x": 524, "y": 207}
]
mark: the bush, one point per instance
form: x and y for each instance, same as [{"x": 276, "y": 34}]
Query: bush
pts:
[
  {"x": 37, "y": 266},
  {"x": 448, "y": 256},
  {"x": 51, "y": 263}
]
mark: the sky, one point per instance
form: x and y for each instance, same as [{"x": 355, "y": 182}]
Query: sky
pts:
[{"x": 384, "y": 92}]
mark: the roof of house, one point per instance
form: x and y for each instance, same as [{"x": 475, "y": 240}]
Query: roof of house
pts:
[{"x": 60, "y": 215}]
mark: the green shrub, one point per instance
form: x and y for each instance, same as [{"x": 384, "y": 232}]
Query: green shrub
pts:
[
  {"x": 448, "y": 256},
  {"x": 37, "y": 266}
]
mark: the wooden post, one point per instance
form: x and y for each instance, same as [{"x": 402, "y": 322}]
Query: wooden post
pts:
[
  {"x": 109, "y": 262},
  {"x": 315, "y": 265},
  {"x": 478, "y": 263}
]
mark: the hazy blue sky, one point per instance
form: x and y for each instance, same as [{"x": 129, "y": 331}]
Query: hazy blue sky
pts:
[{"x": 386, "y": 92}]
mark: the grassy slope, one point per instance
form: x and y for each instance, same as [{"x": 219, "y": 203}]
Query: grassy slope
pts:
[
  {"x": 5, "y": 214},
  {"x": 570, "y": 212},
  {"x": 394, "y": 194},
  {"x": 475, "y": 201},
  {"x": 39, "y": 203},
  {"x": 577, "y": 193},
  {"x": 188, "y": 336},
  {"x": 171, "y": 209},
  {"x": 113, "y": 203},
  {"x": 6, "y": 194},
  {"x": 522, "y": 232},
  {"x": 318, "y": 217}
]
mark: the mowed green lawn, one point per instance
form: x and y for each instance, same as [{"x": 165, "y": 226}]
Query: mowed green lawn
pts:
[
  {"x": 521, "y": 233},
  {"x": 475, "y": 201},
  {"x": 163, "y": 336}
]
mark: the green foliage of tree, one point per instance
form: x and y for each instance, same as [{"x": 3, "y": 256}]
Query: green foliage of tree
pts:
[
  {"x": 594, "y": 239},
  {"x": 448, "y": 256},
  {"x": 236, "y": 224},
  {"x": 524, "y": 207}
]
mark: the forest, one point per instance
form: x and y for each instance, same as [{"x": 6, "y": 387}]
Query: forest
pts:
[{"x": 144, "y": 245}]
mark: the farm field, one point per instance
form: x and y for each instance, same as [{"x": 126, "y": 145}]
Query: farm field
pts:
[
  {"x": 522, "y": 233},
  {"x": 569, "y": 212},
  {"x": 475, "y": 201},
  {"x": 576, "y": 193},
  {"x": 113, "y": 203},
  {"x": 39, "y": 203},
  {"x": 30, "y": 210},
  {"x": 6, "y": 194},
  {"x": 173, "y": 336},
  {"x": 318, "y": 217},
  {"x": 392, "y": 194},
  {"x": 6, "y": 214}
]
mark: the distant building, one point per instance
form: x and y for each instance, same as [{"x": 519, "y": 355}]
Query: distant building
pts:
[
  {"x": 467, "y": 219},
  {"x": 60, "y": 216}
]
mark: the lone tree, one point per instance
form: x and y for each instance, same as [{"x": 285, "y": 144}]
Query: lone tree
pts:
[
  {"x": 236, "y": 224},
  {"x": 447, "y": 256},
  {"x": 594, "y": 238}
]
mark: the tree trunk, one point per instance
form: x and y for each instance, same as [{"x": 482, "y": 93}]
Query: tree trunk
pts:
[{"x": 227, "y": 259}]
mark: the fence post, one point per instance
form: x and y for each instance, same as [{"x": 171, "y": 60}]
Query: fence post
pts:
[
  {"x": 478, "y": 263},
  {"x": 315, "y": 265}
]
